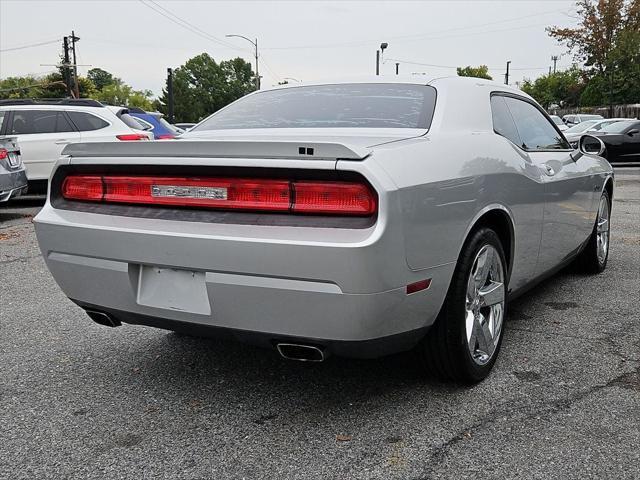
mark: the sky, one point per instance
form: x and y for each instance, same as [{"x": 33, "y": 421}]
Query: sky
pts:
[{"x": 298, "y": 40}]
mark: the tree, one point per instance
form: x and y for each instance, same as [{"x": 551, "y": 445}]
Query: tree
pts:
[
  {"x": 607, "y": 41},
  {"x": 481, "y": 71},
  {"x": 120, "y": 93},
  {"x": 201, "y": 86},
  {"x": 101, "y": 78},
  {"x": 562, "y": 88},
  {"x": 47, "y": 86}
]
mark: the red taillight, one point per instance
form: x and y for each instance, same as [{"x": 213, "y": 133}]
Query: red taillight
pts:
[
  {"x": 83, "y": 187},
  {"x": 319, "y": 197},
  {"x": 333, "y": 197},
  {"x": 165, "y": 136},
  {"x": 195, "y": 192},
  {"x": 128, "y": 137},
  {"x": 3, "y": 153}
]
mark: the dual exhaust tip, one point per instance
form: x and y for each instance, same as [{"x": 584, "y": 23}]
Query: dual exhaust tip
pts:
[
  {"x": 103, "y": 318},
  {"x": 290, "y": 351},
  {"x": 301, "y": 353}
]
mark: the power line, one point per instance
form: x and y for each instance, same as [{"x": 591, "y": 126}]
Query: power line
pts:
[
  {"x": 187, "y": 25},
  {"x": 12, "y": 49},
  {"x": 426, "y": 36},
  {"x": 411, "y": 62}
]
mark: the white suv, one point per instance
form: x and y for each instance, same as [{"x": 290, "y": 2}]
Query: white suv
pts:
[{"x": 44, "y": 127}]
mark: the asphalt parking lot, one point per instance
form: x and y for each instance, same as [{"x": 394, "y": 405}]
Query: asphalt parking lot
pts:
[{"x": 78, "y": 400}]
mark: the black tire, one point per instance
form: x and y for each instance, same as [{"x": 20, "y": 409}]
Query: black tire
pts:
[
  {"x": 444, "y": 351},
  {"x": 589, "y": 261}
]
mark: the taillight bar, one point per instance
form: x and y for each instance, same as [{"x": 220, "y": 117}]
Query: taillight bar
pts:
[
  {"x": 128, "y": 137},
  {"x": 251, "y": 194}
]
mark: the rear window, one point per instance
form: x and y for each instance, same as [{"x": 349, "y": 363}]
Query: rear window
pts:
[
  {"x": 132, "y": 122},
  {"x": 330, "y": 106},
  {"x": 87, "y": 122}
]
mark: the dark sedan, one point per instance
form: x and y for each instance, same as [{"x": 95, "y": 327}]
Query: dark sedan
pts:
[
  {"x": 13, "y": 179},
  {"x": 622, "y": 140}
]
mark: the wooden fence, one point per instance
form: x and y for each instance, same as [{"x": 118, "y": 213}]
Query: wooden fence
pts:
[{"x": 619, "y": 111}]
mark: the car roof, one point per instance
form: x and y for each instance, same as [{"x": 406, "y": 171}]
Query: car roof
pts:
[
  {"x": 400, "y": 79},
  {"x": 47, "y": 106}
]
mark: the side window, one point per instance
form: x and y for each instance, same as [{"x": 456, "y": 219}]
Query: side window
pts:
[
  {"x": 535, "y": 130},
  {"x": 62, "y": 124},
  {"x": 503, "y": 121},
  {"x": 87, "y": 122},
  {"x": 39, "y": 121},
  {"x": 3, "y": 115}
]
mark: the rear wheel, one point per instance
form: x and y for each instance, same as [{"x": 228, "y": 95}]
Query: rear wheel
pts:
[
  {"x": 465, "y": 340},
  {"x": 593, "y": 258}
]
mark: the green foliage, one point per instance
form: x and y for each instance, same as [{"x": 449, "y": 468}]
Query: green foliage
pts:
[
  {"x": 201, "y": 86},
  {"x": 481, "y": 71},
  {"x": 98, "y": 84},
  {"x": 562, "y": 88},
  {"x": 122, "y": 94},
  {"x": 607, "y": 41},
  {"x": 101, "y": 78},
  {"x": 47, "y": 86}
]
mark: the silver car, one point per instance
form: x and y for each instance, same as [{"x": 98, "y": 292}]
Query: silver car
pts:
[
  {"x": 13, "y": 177},
  {"x": 357, "y": 219}
]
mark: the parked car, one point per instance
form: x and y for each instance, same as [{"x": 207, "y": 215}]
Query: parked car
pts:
[
  {"x": 13, "y": 179},
  {"x": 622, "y": 140},
  {"x": 571, "y": 120},
  {"x": 44, "y": 127},
  {"x": 574, "y": 133},
  {"x": 184, "y": 126},
  {"x": 559, "y": 123},
  {"x": 356, "y": 219},
  {"x": 137, "y": 126},
  {"x": 155, "y": 123}
]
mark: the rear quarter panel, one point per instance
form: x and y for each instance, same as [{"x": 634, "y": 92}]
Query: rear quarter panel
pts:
[{"x": 447, "y": 181}]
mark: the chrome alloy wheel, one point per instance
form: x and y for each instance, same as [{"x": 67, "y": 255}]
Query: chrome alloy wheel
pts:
[
  {"x": 602, "y": 230},
  {"x": 485, "y": 302}
]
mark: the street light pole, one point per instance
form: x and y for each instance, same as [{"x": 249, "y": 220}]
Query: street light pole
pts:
[
  {"x": 255, "y": 46},
  {"x": 506, "y": 75},
  {"x": 379, "y": 53}
]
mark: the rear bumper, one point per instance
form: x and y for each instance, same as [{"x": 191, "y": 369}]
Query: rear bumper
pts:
[
  {"x": 372, "y": 348},
  {"x": 12, "y": 184},
  {"x": 344, "y": 289}
]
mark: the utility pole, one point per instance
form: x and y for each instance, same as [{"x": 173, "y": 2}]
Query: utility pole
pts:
[
  {"x": 255, "y": 46},
  {"x": 506, "y": 75},
  {"x": 170, "y": 93},
  {"x": 611, "y": 93},
  {"x": 397, "y": 67},
  {"x": 257, "y": 73},
  {"x": 555, "y": 60},
  {"x": 549, "y": 70},
  {"x": 379, "y": 53},
  {"x": 74, "y": 39},
  {"x": 65, "y": 65}
]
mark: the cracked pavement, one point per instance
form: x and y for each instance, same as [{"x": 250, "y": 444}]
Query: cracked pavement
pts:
[{"x": 78, "y": 400}]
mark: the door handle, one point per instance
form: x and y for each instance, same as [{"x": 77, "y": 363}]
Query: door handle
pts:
[
  {"x": 549, "y": 170},
  {"x": 63, "y": 142}
]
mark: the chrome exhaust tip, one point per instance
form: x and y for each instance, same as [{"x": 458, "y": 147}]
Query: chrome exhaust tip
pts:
[
  {"x": 103, "y": 318},
  {"x": 301, "y": 353}
]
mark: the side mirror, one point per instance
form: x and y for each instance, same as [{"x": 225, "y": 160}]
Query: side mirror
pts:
[
  {"x": 590, "y": 145},
  {"x": 633, "y": 131}
]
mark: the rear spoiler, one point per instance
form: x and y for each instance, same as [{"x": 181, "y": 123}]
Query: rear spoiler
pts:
[{"x": 220, "y": 149}]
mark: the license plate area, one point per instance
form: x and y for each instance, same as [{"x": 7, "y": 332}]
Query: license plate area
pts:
[
  {"x": 14, "y": 159},
  {"x": 173, "y": 289}
]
